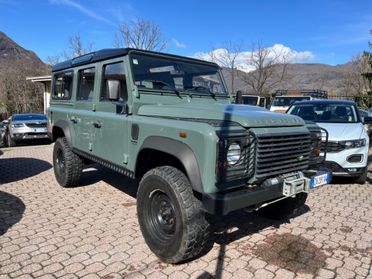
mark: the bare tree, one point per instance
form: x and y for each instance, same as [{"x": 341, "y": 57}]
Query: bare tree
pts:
[
  {"x": 75, "y": 47},
  {"x": 227, "y": 57},
  {"x": 353, "y": 82},
  {"x": 269, "y": 69},
  {"x": 52, "y": 60},
  {"x": 142, "y": 34}
]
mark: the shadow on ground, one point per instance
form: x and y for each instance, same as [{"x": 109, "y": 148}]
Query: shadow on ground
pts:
[
  {"x": 95, "y": 173},
  {"x": 29, "y": 143},
  {"x": 11, "y": 211},
  {"x": 15, "y": 169}
]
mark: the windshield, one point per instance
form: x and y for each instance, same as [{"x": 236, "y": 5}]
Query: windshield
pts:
[
  {"x": 327, "y": 113},
  {"x": 159, "y": 73},
  {"x": 288, "y": 101},
  {"x": 249, "y": 100},
  {"x": 25, "y": 117}
]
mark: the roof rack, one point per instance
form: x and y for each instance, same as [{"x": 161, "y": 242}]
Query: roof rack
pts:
[{"x": 316, "y": 93}]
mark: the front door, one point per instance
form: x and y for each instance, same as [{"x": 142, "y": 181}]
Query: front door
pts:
[{"x": 111, "y": 125}]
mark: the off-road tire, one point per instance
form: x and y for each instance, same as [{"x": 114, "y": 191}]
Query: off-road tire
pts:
[
  {"x": 67, "y": 165},
  {"x": 10, "y": 142},
  {"x": 284, "y": 208},
  {"x": 184, "y": 232},
  {"x": 362, "y": 179}
]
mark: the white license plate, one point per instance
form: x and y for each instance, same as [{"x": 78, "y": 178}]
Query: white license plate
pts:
[
  {"x": 319, "y": 180},
  {"x": 40, "y": 130}
]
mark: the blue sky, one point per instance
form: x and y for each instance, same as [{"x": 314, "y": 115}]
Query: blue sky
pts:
[{"x": 328, "y": 31}]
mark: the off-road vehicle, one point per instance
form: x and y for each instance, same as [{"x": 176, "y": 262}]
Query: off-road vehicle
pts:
[{"x": 169, "y": 122}]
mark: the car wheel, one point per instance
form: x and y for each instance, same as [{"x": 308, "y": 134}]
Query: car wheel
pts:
[
  {"x": 282, "y": 209},
  {"x": 67, "y": 165},
  {"x": 170, "y": 216},
  {"x": 10, "y": 142},
  {"x": 362, "y": 178}
]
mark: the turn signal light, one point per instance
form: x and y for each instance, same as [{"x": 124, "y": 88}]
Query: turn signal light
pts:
[
  {"x": 183, "y": 134},
  {"x": 316, "y": 151}
]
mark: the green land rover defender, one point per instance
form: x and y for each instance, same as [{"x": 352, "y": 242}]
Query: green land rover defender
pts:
[{"x": 169, "y": 122}]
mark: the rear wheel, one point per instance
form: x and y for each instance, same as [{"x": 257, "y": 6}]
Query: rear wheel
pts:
[
  {"x": 170, "y": 217},
  {"x": 67, "y": 165},
  {"x": 282, "y": 209}
]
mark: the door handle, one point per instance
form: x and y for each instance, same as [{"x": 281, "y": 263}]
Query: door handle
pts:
[
  {"x": 97, "y": 124},
  {"x": 73, "y": 119}
]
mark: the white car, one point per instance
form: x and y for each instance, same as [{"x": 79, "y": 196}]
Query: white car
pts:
[{"x": 348, "y": 141}]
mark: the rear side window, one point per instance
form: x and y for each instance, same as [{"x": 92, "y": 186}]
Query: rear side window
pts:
[
  {"x": 62, "y": 85},
  {"x": 114, "y": 71},
  {"x": 86, "y": 84}
]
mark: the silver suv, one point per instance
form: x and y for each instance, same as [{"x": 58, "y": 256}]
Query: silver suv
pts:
[{"x": 24, "y": 127}]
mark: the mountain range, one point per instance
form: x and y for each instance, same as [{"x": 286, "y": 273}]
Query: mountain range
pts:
[{"x": 17, "y": 63}]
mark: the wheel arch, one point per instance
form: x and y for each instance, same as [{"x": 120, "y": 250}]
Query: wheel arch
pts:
[
  {"x": 61, "y": 129},
  {"x": 178, "y": 150}
]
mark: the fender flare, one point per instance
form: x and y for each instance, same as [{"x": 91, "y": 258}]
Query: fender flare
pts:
[
  {"x": 64, "y": 125},
  {"x": 182, "y": 152}
]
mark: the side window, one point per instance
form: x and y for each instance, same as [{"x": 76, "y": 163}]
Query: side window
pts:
[
  {"x": 114, "y": 71},
  {"x": 62, "y": 85},
  {"x": 86, "y": 84}
]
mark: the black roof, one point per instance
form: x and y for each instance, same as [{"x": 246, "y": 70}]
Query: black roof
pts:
[
  {"x": 324, "y": 101},
  {"x": 109, "y": 53}
]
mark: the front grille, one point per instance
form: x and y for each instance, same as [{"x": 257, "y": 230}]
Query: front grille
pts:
[
  {"x": 333, "y": 166},
  {"x": 331, "y": 146},
  {"x": 280, "y": 154},
  {"x": 36, "y": 125}
]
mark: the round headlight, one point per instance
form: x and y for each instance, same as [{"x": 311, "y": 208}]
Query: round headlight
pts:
[{"x": 233, "y": 154}]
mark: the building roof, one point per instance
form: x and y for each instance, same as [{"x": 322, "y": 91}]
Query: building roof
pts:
[
  {"x": 40, "y": 78},
  {"x": 112, "y": 53}
]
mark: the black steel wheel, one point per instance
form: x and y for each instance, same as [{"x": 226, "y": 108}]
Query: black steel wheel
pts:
[
  {"x": 170, "y": 217},
  {"x": 67, "y": 165}
]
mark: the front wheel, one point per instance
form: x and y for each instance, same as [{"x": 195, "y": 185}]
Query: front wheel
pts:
[
  {"x": 362, "y": 179},
  {"x": 170, "y": 217},
  {"x": 67, "y": 165},
  {"x": 10, "y": 142}
]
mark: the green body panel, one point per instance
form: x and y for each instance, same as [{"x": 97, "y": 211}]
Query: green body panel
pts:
[
  {"x": 246, "y": 116},
  {"x": 162, "y": 114}
]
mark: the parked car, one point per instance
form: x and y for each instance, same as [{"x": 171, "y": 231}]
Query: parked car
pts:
[
  {"x": 23, "y": 127},
  {"x": 348, "y": 141},
  {"x": 363, "y": 114}
]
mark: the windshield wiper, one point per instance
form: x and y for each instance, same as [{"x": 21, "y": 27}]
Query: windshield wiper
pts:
[
  {"x": 197, "y": 89},
  {"x": 169, "y": 87}
]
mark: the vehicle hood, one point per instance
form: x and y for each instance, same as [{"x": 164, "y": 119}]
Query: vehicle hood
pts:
[
  {"x": 342, "y": 131},
  {"x": 245, "y": 115}
]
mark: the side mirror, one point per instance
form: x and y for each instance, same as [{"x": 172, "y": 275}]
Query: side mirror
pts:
[
  {"x": 238, "y": 98},
  {"x": 368, "y": 120},
  {"x": 6, "y": 122},
  {"x": 113, "y": 89}
]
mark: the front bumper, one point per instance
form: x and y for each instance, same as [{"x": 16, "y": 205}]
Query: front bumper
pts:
[
  {"x": 349, "y": 171},
  {"x": 254, "y": 197},
  {"x": 29, "y": 136}
]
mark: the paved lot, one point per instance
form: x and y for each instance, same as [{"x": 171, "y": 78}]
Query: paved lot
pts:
[{"x": 92, "y": 231}]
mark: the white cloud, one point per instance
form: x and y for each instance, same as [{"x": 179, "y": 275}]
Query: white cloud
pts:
[
  {"x": 82, "y": 9},
  {"x": 178, "y": 44},
  {"x": 280, "y": 51}
]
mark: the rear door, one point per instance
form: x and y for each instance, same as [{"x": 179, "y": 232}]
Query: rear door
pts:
[{"x": 83, "y": 116}]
